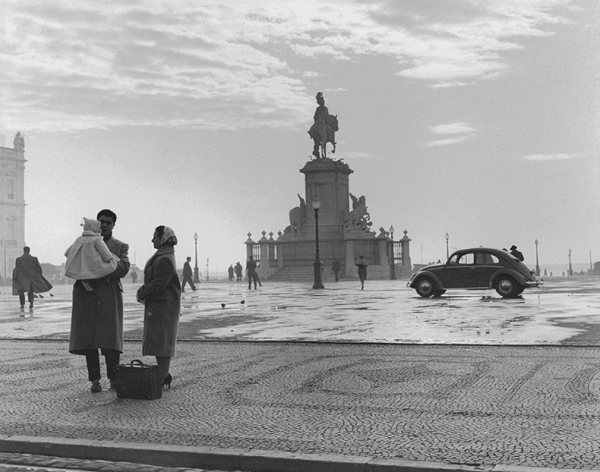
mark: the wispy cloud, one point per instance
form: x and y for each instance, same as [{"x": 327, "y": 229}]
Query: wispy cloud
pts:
[
  {"x": 243, "y": 64},
  {"x": 452, "y": 128},
  {"x": 360, "y": 155},
  {"x": 444, "y": 142},
  {"x": 551, "y": 157}
]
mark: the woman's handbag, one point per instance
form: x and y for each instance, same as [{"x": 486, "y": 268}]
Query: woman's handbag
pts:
[{"x": 138, "y": 380}]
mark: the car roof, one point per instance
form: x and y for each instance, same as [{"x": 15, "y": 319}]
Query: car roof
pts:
[{"x": 486, "y": 249}]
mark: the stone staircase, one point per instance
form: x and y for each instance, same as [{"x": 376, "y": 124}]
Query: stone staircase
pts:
[{"x": 305, "y": 274}]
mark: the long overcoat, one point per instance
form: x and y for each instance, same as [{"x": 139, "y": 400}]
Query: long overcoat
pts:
[
  {"x": 161, "y": 294},
  {"x": 97, "y": 314},
  {"x": 28, "y": 275}
]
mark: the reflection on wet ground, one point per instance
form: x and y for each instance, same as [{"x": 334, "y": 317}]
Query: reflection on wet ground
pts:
[{"x": 563, "y": 311}]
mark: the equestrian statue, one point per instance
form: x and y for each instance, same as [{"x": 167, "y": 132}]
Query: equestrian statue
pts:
[{"x": 323, "y": 129}]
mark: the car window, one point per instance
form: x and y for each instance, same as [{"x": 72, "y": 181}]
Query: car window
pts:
[
  {"x": 466, "y": 258},
  {"x": 483, "y": 258}
]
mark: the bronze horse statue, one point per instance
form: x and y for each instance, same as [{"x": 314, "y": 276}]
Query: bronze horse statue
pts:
[{"x": 323, "y": 133}]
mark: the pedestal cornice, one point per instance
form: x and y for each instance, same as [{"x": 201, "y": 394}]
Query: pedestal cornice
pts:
[{"x": 326, "y": 165}]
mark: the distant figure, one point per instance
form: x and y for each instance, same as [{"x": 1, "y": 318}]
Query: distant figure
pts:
[
  {"x": 230, "y": 272},
  {"x": 187, "y": 275},
  {"x": 362, "y": 271},
  {"x": 239, "y": 271},
  {"x": 517, "y": 254},
  {"x": 336, "y": 269},
  {"x": 252, "y": 275},
  {"x": 27, "y": 277},
  {"x": 89, "y": 257},
  {"x": 545, "y": 273},
  {"x": 134, "y": 276}
]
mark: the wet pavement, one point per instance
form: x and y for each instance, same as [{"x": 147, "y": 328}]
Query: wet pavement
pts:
[{"x": 562, "y": 312}]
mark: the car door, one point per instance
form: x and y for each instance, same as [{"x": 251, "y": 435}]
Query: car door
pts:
[
  {"x": 460, "y": 271},
  {"x": 486, "y": 264}
]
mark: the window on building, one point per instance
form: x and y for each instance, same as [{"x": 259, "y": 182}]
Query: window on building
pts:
[{"x": 11, "y": 189}]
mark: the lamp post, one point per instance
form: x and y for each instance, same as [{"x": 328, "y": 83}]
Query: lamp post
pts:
[
  {"x": 316, "y": 204},
  {"x": 447, "y": 249},
  {"x": 207, "y": 269},
  {"x": 537, "y": 261},
  {"x": 393, "y": 268},
  {"x": 570, "y": 266},
  {"x": 196, "y": 277}
]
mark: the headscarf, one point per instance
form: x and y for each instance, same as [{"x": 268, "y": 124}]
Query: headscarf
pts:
[{"x": 168, "y": 237}]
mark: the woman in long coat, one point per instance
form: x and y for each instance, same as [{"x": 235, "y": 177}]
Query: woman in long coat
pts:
[{"x": 161, "y": 295}]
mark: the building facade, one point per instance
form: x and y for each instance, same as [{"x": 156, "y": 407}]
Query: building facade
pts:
[{"x": 12, "y": 205}]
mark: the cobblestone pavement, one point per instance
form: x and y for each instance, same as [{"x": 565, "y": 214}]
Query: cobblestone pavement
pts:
[
  {"x": 563, "y": 311},
  {"x": 470, "y": 405}
]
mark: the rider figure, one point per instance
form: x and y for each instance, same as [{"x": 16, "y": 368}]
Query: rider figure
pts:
[{"x": 319, "y": 128}]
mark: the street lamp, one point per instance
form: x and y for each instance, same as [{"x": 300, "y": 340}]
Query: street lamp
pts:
[
  {"x": 207, "y": 269},
  {"x": 393, "y": 268},
  {"x": 537, "y": 262},
  {"x": 316, "y": 204},
  {"x": 196, "y": 277},
  {"x": 570, "y": 266},
  {"x": 447, "y": 250}
]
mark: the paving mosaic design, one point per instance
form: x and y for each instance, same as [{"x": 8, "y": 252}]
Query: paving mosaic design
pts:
[{"x": 486, "y": 405}]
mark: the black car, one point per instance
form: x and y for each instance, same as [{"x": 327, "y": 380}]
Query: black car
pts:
[{"x": 475, "y": 268}]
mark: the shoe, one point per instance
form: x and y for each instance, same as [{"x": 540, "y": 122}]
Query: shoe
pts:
[
  {"x": 182, "y": 291},
  {"x": 96, "y": 387},
  {"x": 167, "y": 381},
  {"x": 22, "y": 307},
  {"x": 31, "y": 306}
]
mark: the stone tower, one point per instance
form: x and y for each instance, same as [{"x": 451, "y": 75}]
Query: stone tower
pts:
[{"x": 12, "y": 204}]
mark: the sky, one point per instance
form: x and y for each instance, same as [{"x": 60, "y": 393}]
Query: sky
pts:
[{"x": 475, "y": 118}]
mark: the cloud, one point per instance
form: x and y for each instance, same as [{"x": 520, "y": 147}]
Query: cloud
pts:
[
  {"x": 551, "y": 157},
  {"x": 360, "y": 155},
  {"x": 452, "y": 128},
  {"x": 444, "y": 142},
  {"x": 244, "y": 64}
]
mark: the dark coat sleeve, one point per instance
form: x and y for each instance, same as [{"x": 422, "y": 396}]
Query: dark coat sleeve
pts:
[
  {"x": 156, "y": 288},
  {"x": 123, "y": 264}
]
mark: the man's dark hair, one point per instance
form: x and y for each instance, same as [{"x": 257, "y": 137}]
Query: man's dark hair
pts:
[
  {"x": 188, "y": 258},
  {"x": 26, "y": 249},
  {"x": 109, "y": 213}
]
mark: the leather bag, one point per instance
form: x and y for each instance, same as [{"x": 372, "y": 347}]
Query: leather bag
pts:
[{"x": 138, "y": 380}]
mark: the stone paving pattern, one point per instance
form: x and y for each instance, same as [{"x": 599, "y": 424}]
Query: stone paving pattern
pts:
[{"x": 472, "y": 405}]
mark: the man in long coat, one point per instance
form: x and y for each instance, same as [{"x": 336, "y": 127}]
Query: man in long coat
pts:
[
  {"x": 187, "y": 275},
  {"x": 97, "y": 315},
  {"x": 28, "y": 278}
]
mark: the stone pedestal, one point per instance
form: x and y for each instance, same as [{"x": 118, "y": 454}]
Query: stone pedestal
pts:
[{"x": 326, "y": 180}]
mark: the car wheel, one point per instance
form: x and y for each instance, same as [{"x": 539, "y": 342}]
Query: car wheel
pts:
[
  {"x": 507, "y": 287},
  {"x": 438, "y": 293},
  {"x": 425, "y": 287}
]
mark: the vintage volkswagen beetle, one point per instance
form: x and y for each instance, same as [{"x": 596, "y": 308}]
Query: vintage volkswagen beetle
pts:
[{"x": 475, "y": 268}]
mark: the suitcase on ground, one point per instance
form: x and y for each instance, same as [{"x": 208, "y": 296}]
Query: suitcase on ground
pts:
[{"x": 138, "y": 380}]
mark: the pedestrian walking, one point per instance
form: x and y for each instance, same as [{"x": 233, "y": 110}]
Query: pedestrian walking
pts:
[
  {"x": 230, "y": 272},
  {"x": 516, "y": 253},
  {"x": 239, "y": 271},
  {"x": 252, "y": 275},
  {"x": 336, "y": 269},
  {"x": 97, "y": 312},
  {"x": 28, "y": 278},
  {"x": 134, "y": 276},
  {"x": 362, "y": 271},
  {"x": 187, "y": 275},
  {"x": 161, "y": 296},
  {"x": 88, "y": 257}
]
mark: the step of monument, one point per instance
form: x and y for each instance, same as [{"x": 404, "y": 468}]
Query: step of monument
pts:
[{"x": 303, "y": 273}]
